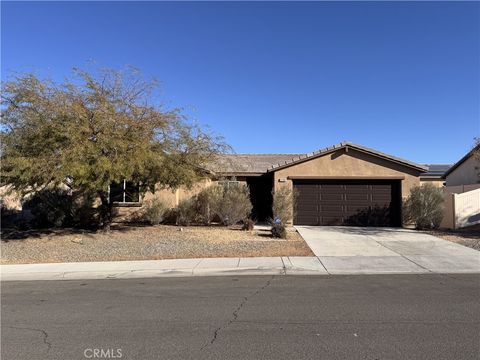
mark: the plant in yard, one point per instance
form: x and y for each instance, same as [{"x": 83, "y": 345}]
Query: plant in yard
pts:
[
  {"x": 9, "y": 216},
  {"x": 234, "y": 204},
  {"x": 424, "y": 207},
  {"x": 186, "y": 212},
  {"x": 50, "y": 208},
  {"x": 248, "y": 224},
  {"x": 155, "y": 211},
  {"x": 207, "y": 201},
  {"x": 283, "y": 204},
  {"x": 279, "y": 231},
  {"x": 95, "y": 130}
]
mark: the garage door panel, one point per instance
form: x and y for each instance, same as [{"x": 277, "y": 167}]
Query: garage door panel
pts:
[
  {"x": 331, "y": 196},
  {"x": 304, "y": 220},
  {"x": 348, "y": 202},
  {"x": 353, "y": 188},
  {"x": 355, "y": 197},
  {"x": 334, "y": 208},
  {"x": 353, "y": 209},
  {"x": 331, "y": 221}
]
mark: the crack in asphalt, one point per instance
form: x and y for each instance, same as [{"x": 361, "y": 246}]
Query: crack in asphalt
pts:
[
  {"x": 44, "y": 333},
  {"x": 236, "y": 312}
]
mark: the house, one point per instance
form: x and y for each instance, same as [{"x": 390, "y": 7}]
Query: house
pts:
[
  {"x": 462, "y": 192},
  {"x": 466, "y": 171},
  {"x": 434, "y": 174},
  {"x": 345, "y": 184}
]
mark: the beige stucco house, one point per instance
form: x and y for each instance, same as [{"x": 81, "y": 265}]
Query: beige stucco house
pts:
[
  {"x": 466, "y": 171},
  {"x": 345, "y": 184},
  {"x": 434, "y": 175}
]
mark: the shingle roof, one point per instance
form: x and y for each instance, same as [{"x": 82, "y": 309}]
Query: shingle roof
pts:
[
  {"x": 436, "y": 169},
  {"x": 248, "y": 163},
  {"x": 262, "y": 163},
  {"x": 346, "y": 144}
]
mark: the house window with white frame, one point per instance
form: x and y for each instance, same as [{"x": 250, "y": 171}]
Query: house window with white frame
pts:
[{"x": 125, "y": 192}]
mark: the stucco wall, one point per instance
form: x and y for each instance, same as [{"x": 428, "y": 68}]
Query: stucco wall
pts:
[
  {"x": 461, "y": 210},
  {"x": 10, "y": 199},
  {"x": 467, "y": 173},
  {"x": 171, "y": 198},
  {"x": 344, "y": 164},
  {"x": 435, "y": 182}
]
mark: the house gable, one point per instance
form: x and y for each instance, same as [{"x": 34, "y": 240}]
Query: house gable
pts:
[
  {"x": 346, "y": 146},
  {"x": 466, "y": 171},
  {"x": 349, "y": 163}
]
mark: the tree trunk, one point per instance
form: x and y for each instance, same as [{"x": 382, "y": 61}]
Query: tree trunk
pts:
[{"x": 105, "y": 211}]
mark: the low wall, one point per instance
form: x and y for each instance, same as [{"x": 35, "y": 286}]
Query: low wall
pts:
[
  {"x": 459, "y": 189},
  {"x": 461, "y": 209}
]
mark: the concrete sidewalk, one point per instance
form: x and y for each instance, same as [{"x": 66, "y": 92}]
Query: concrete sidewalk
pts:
[
  {"x": 164, "y": 268},
  {"x": 226, "y": 266},
  {"x": 347, "y": 250}
]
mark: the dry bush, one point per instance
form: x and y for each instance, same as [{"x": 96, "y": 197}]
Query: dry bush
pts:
[
  {"x": 279, "y": 231},
  {"x": 186, "y": 212},
  {"x": 155, "y": 211},
  {"x": 283, "y": 204},
  {"x": 248, "y": 224},
  {"x": 234, "y": 204},
  {"x": 206, "y": 203},
  {"x": 424, "y": 207}
]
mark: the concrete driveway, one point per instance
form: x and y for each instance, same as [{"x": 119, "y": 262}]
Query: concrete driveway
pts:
[{"x": 352, "y": 250}]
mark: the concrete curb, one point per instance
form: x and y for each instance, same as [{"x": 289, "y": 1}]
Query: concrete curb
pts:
[{"x": 194, "y": 267}]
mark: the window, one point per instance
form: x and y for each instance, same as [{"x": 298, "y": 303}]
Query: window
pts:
[{"x": 124, "y": 192}]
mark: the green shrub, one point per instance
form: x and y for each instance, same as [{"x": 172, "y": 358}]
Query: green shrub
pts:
[
  {"x": 155, "y": 211},
  {"x": 207, "y": 201},
  {"x": 279, "y": 231},
  {"x": 84, "y": 214},
  {"x": 50, "y": 208},
  {"x": 9, "y": 217},
  {"x": 283, "y": 204},
  {"x": 234, "y": 204},
  {"x": 424, "y": 207},
  {"x": 186, "y": 212}
]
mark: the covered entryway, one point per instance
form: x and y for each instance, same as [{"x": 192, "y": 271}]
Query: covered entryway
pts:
[{"x": 348, "y": 202}]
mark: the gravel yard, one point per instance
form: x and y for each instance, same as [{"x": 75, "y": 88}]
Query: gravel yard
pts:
[
  {"x": 467, "y": 236},
  {"x": 146, "y": 243}
]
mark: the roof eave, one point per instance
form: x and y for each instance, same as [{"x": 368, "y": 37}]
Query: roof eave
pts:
[
  {"x": 347, "y": 145},
  {"x": 461, "y": 161}
]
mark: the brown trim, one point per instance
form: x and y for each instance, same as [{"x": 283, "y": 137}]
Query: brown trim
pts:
[
  {"x": 126, "y": 204},
  {"x": 461, "y": 161},
  {"x": 384, "y": 157},
  {"x": 431, "y": 177},
  {"x": 303, "y": 159},
  {"x": 347, "y": 146},
  {"x": 220, "y": 174},
  {"x": 346, "y": 177}
]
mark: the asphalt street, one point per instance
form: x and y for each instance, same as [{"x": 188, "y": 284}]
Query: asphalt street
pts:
[{"x": 247, "y": 317}]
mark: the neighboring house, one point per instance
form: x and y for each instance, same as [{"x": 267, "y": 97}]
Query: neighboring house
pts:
[
  {"x": 434, "y": 174},
  {"x": 345, "y": 184},
  {"x": 466, "y": 171},
  {"x": 462, "y": 192}
]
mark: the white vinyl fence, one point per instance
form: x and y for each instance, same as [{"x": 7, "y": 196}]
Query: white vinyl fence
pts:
[{"x": 461, "y": 209}]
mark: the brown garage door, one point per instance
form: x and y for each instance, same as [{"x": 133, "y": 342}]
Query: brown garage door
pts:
[{"x": 347, "y": 202}]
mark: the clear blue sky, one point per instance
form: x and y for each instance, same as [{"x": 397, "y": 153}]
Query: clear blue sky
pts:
[{"x": 280, "y": 77}]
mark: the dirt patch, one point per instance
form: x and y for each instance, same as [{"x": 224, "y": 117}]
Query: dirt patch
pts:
[
  {"x": 467, "y": 236},
  {"x": 146, "y": 243}
]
